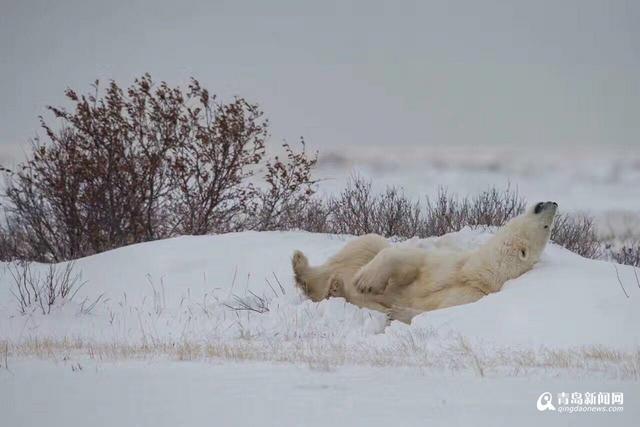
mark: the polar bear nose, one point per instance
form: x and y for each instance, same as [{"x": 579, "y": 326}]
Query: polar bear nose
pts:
[
  {"x": 538, "y": 208},
  {"x": 543, "y": 205}
]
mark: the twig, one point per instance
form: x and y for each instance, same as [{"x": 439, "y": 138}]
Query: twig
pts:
[
  {"x": 620, "y": 281},
  {"x": 279, "y": 284},
  {"x": 258, "y": 305},
  {"x": 6, "y": 355},
  {"x": 272, "y": 290},
  {"x": 90, "y": 307}
]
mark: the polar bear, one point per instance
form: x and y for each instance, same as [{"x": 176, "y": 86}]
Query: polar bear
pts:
[{"x": 406, "y": 281}]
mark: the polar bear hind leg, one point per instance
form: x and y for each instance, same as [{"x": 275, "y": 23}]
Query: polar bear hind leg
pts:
[{"x": 328, "y": 279}]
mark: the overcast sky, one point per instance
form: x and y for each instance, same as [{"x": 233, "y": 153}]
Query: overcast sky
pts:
[{"x": 423, "y": 72}]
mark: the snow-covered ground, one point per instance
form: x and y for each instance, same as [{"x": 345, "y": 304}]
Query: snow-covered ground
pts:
[
  {"x": 180, "y": 289},
  {"x": 164, "y": 345},
  {"x": 161, "y": 394},
  {"x": 584, "y": 178}
]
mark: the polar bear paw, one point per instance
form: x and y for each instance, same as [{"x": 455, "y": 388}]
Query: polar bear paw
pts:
[
  {"x": 402, "y": 314},
  {"x": 336, "y": 287},
  {"x": 367, "y": 281},
  {"x": 299, "y": 262}
]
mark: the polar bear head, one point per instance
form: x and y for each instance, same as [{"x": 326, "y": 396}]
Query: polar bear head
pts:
[
  {"x": 524, "y": 237},
  {"x": 517, "y": 246},
  {"x": 530, "y": 231}
]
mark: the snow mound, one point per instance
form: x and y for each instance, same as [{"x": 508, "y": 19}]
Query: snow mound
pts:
[{"x": 239, "y": 286}]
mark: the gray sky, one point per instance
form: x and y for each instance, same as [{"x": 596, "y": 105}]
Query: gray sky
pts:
[{"x": 368, "y": 72}]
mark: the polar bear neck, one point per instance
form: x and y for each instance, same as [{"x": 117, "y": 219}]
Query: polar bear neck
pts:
[{"x": 494, "y": 263}]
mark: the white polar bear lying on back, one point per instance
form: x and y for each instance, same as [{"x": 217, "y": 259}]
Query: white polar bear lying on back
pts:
[{"x": 406, "y": 281}]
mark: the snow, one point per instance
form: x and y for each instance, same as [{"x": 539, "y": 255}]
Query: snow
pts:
[
  {"x": 567, "y": 325},
  {"x": 566, "y": 300},
  {"x": 177, "y": 289},
  {"x": 194, "y": 393}
]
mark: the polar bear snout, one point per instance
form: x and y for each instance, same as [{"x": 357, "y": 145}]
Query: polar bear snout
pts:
[{"x": 543, "y": 206}]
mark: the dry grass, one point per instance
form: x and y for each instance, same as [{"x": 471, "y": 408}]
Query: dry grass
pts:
[
  {"x": 4, "y": 356},
  {"x": 410, "y": 350}
]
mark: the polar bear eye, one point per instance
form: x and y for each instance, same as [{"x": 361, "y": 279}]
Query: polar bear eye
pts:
[{"x": 523, "y": 254}]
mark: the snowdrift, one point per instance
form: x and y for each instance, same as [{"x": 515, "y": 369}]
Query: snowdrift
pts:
[{"x": 190, "y": 289}]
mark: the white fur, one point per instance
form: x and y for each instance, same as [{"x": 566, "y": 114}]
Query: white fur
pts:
[{"x": 406, "y": 281}]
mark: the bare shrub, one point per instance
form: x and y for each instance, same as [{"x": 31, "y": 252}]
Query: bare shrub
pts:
[
  {"x": 11, "y": 238},
  {"x": 316, "y": 217},
  {"x": 214, "y": 160},
  {"x": 395, "y": 215},
  {"x": 153, "y": 161},
  {"x": 356, "y": 210},
  {"x": 448, "y": 213},
  {"x": 31, "y": 288},
  {"x": 352, "y": 209},
  {"x": 289, "y": 190},
  {"x": 495, "y": 207},
  {"x": 628, "y": 255},
  {"x": 444, "y": 215},
  {"x": 145, "y": 163},
  {"x": 577, "y": 233}
]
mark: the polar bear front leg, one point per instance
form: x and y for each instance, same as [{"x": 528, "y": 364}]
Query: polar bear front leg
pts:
[
  {"x": 372, "y": 278},
  {"x": 399, "y": 266}
]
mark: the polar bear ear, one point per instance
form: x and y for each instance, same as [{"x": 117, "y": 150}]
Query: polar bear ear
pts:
[{"x": 523, "y": 253}]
